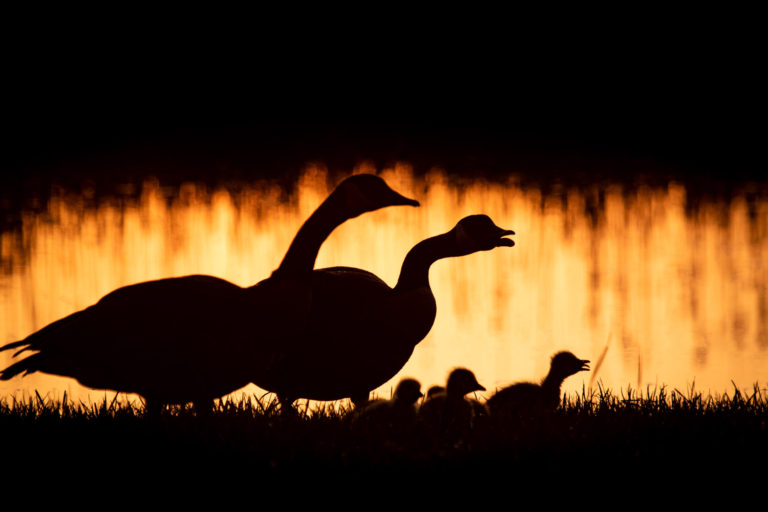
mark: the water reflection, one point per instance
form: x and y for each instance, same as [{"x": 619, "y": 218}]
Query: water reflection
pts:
[{"x": 677, "y": 293}]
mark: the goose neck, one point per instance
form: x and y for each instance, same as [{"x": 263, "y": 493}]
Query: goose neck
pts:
[
  {"x": 552, "y": 383},
  {"x": 415, "y": 270},
  {"x": 302, "y": 253}
]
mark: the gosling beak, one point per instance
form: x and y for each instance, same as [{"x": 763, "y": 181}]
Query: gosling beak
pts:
[{"x": 584, "y": 365}]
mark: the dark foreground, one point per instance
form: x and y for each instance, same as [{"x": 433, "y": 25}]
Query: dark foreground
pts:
[{"x": 661, "y": 438}]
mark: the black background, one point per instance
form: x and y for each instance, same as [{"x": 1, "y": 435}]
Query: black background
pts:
[{"x": 653, "y": 100}]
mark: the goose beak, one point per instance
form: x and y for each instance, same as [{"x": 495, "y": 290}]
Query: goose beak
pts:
[
  {"x": 505, "y": 242},
  {"x": 398, "y": 199}
]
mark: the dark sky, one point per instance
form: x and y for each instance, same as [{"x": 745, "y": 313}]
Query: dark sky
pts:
[{"x": 693, "y": 108}]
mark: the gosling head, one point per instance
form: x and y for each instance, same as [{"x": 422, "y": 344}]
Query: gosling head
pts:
[
  {"x": 433, "y": 391},
  {"x": 408, "y": 391},
  {"x": 366, "y": 192},
  {"x": 565, "y": 364},
  {"x": 479, "y": 233},
  {"x": 462, "y": 381}
]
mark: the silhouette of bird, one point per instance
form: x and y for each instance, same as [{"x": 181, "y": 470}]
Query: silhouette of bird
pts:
[
  {"x": 434, "y": 391},
  {"x": 450, "y": 411},
  {"x": 400, "y": 409},
  {"x": 361, "y": 332},
  {"x": 527, "y": 397},
  {"x": 194, "y": 338}
]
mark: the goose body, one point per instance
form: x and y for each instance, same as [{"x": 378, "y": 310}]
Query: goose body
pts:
[
  {"x": 346, "y": 357},
  {"x": 527, "y": 397},
  {"x": 361, "y": 332},
  {"x": 194, "y": 338}
]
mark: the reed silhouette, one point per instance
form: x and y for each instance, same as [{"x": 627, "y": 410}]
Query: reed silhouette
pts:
[
  {"x": 195, "y": 338},
  {"x": 530, "y": 398},
  {"x": 449, "y": 412},
  {"x": 361, "y": 332}
]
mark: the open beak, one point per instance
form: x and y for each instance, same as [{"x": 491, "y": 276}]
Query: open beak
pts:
[
  {"x": 584, "y": 365},
  {"x": 505, "y": 242}
]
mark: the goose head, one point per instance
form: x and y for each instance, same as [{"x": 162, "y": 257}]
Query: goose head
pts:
[
  {"x": 462, "y": 381},
  {"x": 408, "y": 391},
  {"x": 479, "y": 233},
  {"x": 565, "y": 364},
  {"x": 352, "y": 197},
  {"x": 363, "y": 193}
]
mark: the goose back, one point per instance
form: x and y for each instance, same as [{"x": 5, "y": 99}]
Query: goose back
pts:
[{"x": 202, "y": 330}]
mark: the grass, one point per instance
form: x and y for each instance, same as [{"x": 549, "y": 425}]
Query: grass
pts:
[{"x": 622, "y": 433}]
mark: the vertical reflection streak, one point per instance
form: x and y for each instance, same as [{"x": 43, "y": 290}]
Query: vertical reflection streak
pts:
[{"x": 681, "y": 288}]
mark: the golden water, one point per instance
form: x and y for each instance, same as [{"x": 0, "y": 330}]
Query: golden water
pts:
[{"x": 676, "y": 298}]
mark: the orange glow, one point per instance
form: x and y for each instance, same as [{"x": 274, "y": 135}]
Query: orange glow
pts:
[{"x": 678, "y": 298}]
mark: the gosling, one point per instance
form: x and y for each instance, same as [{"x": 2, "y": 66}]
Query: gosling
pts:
[
  {"x": 400, "y": 410},
  {"x": 530, "y": 398},
  {"x": 449, "y": 410}
]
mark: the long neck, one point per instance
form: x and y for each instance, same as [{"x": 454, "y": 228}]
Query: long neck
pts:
[
  {"x": 415, "y": 270},
  {"x": 306, "y": 244}
]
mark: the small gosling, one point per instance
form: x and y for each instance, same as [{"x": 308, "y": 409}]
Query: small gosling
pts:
[
  {"x": 527, "y": 397},
  {"x": 400, "y": 410},
  {"x": 449, "y": 409}
]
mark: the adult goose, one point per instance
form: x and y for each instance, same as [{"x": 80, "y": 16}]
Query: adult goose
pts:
[
  {"x": 530, "y": 398},
  {"x": 194, "y": 338},
  {"x": 361, "y": 332}
]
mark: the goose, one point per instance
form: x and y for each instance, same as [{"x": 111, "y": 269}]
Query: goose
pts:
[
  {"x": 360, "y": 331},
  {"x": 400, "y": 409},
  {"x": 449, "y": 409},
  {"x": 527, "y": 397},
  {"x": 194, "y": 338}
]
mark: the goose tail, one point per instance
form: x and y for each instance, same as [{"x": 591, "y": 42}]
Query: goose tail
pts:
[
  {"x": 28, "y": 365},
  {"x": 14, "y": 344},
  {"x": 24, "y": 344}
]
